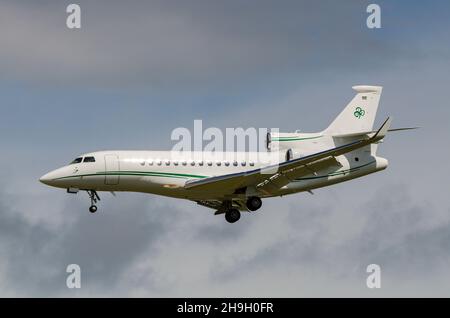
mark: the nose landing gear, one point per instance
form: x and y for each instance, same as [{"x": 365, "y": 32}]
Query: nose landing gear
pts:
[{"x": 94, "y": 198}]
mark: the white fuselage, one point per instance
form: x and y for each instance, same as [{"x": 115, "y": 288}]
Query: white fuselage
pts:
[{"x": 166, "y": 172}]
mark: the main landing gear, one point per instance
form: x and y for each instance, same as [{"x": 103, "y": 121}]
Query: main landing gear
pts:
[
  {"x": 94, "y": 198},
  {"x": 253, "y": 203},
  {"x": 233, "y": 215}
]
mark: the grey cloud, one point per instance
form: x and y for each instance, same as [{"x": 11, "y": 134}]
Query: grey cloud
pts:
[
  {"x": 160, "y": 43},
  {"x": 136, "y": 246},
  {"x": 104, "y": 245},
  {"x": 219, "y": 234},
  {"x": 408, "y": 237},
  {"x": 388, "y": 229}
]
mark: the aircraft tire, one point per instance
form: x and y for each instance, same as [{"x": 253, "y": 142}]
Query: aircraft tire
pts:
[
  {"x": 232, "y": 215},
  {"x": 253, "y": 203}
]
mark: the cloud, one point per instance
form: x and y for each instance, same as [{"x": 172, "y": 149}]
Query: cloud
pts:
[
  {"x": 300, "y": 245},
  {"x": 329, "y": 245},
  {"x": 104, "y": 244},
  {"x": 166, "y": 43}
]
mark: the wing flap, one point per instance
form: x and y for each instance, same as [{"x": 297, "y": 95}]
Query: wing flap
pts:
[{"x": 281, "y": 179}]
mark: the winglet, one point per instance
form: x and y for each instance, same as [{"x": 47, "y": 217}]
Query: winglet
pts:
[{"x": 383, "y": 130}]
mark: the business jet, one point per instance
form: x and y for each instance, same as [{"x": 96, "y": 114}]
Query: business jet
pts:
[{"x": 234, "y": 182}]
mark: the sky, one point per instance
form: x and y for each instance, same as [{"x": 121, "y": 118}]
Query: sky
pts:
[{"x": 136, "y": 70}]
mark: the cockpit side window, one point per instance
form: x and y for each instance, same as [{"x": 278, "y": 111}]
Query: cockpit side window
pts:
[
  {"x": 89, "y": 159},
  {"x": 77, "y": 160}
]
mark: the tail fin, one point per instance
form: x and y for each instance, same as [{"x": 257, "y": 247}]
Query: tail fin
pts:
[{"x": 359, "y": 115}]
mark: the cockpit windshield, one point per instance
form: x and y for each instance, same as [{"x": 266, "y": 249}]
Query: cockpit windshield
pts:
[
  {"x": 77, "y": 160},
  {"x": 89, "y": 159}
]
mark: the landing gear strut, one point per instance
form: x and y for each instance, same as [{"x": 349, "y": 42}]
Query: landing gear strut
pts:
[
  {"x": 232, "y": 214},
  {"x": 94, "y": 198}
]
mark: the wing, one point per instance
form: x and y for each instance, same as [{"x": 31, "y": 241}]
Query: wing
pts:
[{"x": 276, "y": 176}]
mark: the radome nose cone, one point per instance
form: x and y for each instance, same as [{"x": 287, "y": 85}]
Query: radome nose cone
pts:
[{"x": 45, "y": 179}]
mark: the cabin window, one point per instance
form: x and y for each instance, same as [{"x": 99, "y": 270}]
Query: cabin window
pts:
[
  {"x": 150, "y": 162},
  {"x": 226, "y": 163},
  {"x": 251, "y": 163},
  {"x": 192, "y": 163},
  {"x": 243, "y": 163},
  {"x": 167, "y": 162},
  {"x": 209, "y": 163},
  {"x": 77, "y": 160},
  {"x": 235, "y": 163},
  {"x": 175, "y": 163},
  {"x": 200, "y": 163},
  {"x": 158, "y": 162},
  {"x": 183, "y": 163},
  {"x": 218, "y": 163},
  {"x": 89, "y": 159}
]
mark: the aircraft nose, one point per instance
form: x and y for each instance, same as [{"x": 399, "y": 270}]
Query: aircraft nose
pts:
[
  {"x": 53, "y": 178},
  {"x": 46, "y": 179}
]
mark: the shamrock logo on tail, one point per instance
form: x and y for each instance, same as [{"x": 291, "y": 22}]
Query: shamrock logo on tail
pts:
[{"x": 359, "y": 112}]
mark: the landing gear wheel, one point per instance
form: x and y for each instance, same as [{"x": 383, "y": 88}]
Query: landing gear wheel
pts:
[
  {"x": 253, "y": 203},
  {"x": 232, "y": 215},
  {"x": 94, "y": 198}
]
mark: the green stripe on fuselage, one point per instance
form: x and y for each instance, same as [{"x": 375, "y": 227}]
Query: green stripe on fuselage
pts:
[
  {"x": 294, "y": 138},
  {"x": 138, "y": 173}
]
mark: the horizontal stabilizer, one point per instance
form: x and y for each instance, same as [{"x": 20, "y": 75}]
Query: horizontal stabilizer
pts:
[
  {"x": 381, "y": 133},
  {"x": 374, "y": 131}
]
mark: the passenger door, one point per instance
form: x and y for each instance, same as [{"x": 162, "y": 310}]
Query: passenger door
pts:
[{"x": 112, "y": 169}]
